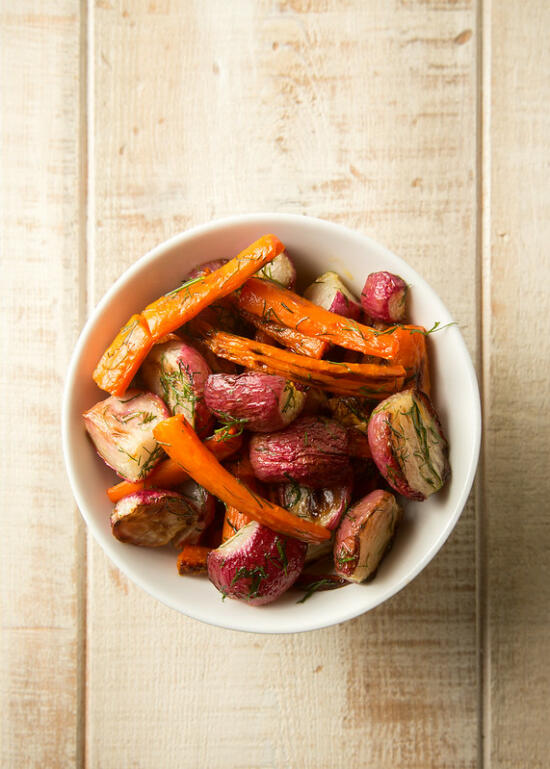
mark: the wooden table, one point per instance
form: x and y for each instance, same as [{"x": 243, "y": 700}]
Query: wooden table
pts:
[{"x": 423, "y": 123}]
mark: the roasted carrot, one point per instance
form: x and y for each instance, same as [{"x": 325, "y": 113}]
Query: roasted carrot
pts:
[
  {"x": 179, "y": 306},
  {"x": 289, "y": 337},
  {"x": 120, "y": 362},
  {"x": 233, "y": 521},
  {"x": 273, "y": 303},
  {"x": 363, "y": 379},
  {"x": 192, "y": 559},
  {"x": 168, "y": 473},
  {"x": 183, "y": 445}
]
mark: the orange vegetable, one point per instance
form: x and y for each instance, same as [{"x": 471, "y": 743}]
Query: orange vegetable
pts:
[
  {"x": 289, "y": 337},
  {"x": 184, "y": 303},
  {"x": 121, "y": 361},
  {"x": 233, "y": 521},
  {"x": 192, "y": 559},
  {"x": 168, "y": 473},
  {"x": 367, "y": 380},
  {"x": 183, "y": 445},
  {"x": 275, "y": 304}
]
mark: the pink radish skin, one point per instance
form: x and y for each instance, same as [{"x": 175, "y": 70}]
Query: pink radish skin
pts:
[
  {"x": 263, "y": 402},
  {"x": 256, "y": 565},
  {"x": 329, "y": 291},
  {"x": 312, "y": 452},
  {"x": 122, "y": 432},
  {"x": 204, "y": 269},
  {"x": 323, "y": 506},
  {"x": 408, "y": 444},
  {"x": 365, "y": 534},
  {"x": 177, "y": 373},
  {"x": 384, "y": 297},
  {"x": 281, "y": 270},
  {"x": 152, "y": 518},
  {"x": 205, "y": 504}
]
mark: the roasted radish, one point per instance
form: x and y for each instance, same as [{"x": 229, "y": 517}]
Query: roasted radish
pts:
[
  {"x": 281, "y": 270},
  {"x": 408, "y": 445},
  {"x": 384, "y": 297},
  {"x": 328, "y": 291},
  {"x": 201, "y": 501},
  {"x": 152, "y": 518},
  {"x": 324, "y": 506},
  {"x": 122, "y": 432},
  {"x": 256, "y": 565},
  {"x": 259, "y": 402},
  {"x": 350, "y": 411},
  {"x": 313, "y": 451},
  {"x": 365, "y": 534},
  {"x": 177, "y": 373}
]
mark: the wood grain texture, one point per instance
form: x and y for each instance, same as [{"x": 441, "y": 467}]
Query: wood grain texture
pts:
[
  {"x": 41, "y": 531},
  {"x": 517, "y": 486},
  {"x": 362, "y": 113}
]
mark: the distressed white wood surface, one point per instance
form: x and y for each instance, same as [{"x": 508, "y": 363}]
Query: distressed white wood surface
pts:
[
  {"x": 403, "y": 119},
  {"x": 517, "y": 403},
  {"x": 41, "y": 568}
]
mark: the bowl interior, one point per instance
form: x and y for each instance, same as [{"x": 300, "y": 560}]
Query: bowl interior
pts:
[{"x": 316, "y": 246}]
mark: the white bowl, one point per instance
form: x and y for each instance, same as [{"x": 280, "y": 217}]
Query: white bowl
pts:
[{"x": 316, "y": 246}]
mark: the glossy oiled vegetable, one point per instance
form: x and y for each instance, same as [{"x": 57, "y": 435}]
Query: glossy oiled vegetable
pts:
[
  {"x": 288, "y": 337},
  {"x": 177, "y": 373},
  {"x": 258, "y": 402},
  {"x": 312, "y": 452},
  {"x": 271, "y": 302},
  {"x": 365, "y": 534},
  {"x": 200, "y": 500},
  {"x": 167, "y": 474},
  {"x": 152, "y": 518},
  {"x": 122, "y": 359},
  {"x": 325, "y": 506},
  {"x": 408, "y": 445},
  {"x": 182, "y": 444},
  {"x": 192, "y": 560},
  {"x": 365, "y": 379},
  {"x": 281, "y": 270},
  {"x": 329, "y": 291},
  {"x": 256, "y": 565},
  {"x": 384, "y": 297},
  {"x": 122, "y": 432}
]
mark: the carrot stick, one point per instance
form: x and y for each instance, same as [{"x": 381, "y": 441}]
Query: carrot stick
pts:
[
  {"x": 289, "y": 337},
  {"x": 120, "y": 362},
  {"x": 364, "y": 379},
  {"x": 181, "y": 443},
  {"x": 168, "y": 473},
  {"x": 276, "y": 304},
  {"x": 233, "y": 521},
  {"x": 176, "y": 308},
  {"x": 192, "y": 559},
  {"x": 124, "y": 356}
]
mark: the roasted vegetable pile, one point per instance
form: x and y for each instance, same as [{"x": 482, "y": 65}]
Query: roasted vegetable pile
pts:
[{"x": 266, "y": 435}]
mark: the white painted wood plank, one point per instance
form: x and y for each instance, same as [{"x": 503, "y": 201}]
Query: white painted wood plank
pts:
[
  {"x": 362, "y": 113},
  {"x": 517, "y": 486},
  {"x": 39, "y": 236}
]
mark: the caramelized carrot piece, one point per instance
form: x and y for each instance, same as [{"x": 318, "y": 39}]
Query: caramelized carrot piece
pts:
[
  {"x": 273, "y": 303},
  {"x": 168, "y": 473},
  {"x": 363, "y": 379},
  {"x": 289, "y": 337},
  {"x": 183, "y": 445},
  {"x": 192, "y": 559},
  {"x": 233, "y": 521},
  {"x": 121, "y": 361},
  {"x": 184, "y": 303}
]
